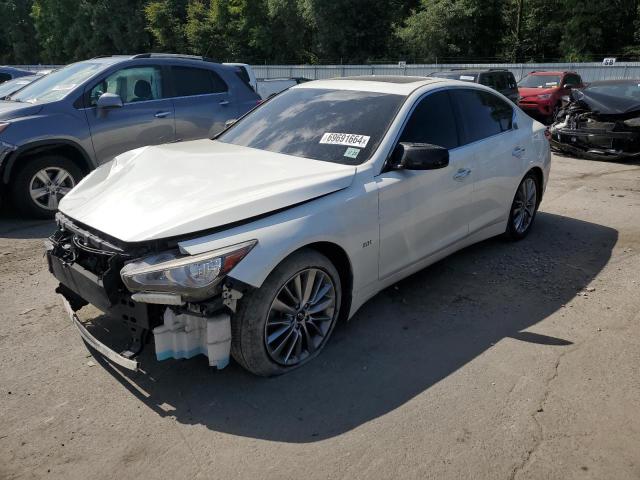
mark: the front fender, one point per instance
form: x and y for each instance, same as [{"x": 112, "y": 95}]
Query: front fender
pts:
[{"x": 348, "y": 219}]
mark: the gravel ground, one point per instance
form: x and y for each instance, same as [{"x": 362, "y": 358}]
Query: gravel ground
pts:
[{"x": 503, "y": 361}]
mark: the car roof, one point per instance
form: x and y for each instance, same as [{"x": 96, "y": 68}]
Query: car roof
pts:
[
  {"x": 462, "y": 71},
  {"x": 550, "y": 72},
  {"x": 394, "y": 84}
]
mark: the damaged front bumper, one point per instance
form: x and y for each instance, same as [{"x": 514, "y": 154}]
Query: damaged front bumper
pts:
[
  {"x": 593, "y": 144},
  {"x": 87, "y": 268}
]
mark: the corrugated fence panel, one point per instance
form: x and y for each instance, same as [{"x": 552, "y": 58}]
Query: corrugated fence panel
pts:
[{"x": 589, "y": 71}]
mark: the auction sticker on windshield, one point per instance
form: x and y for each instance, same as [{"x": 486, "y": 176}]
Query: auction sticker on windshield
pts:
[{"x": 347, "y": 139}]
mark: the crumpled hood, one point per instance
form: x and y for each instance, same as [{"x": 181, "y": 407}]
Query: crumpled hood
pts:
[
  {"x": 532, "y": 92},
  {"x": 181, "y": 188},
  {"x": 10, "y": 110}
]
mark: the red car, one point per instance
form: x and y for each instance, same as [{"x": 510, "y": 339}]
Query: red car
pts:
[{"x": 541, "y": 92}]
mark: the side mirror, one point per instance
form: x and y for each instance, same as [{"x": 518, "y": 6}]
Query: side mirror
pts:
[
  {"x": 419, "y": 156},
  {"x": 566, "y": 86},
  {"x": 109, "y": 100}
]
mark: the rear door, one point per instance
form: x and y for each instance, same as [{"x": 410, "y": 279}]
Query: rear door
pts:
[
  {"x": 202, "y": 102},
  {"x": 423, "y": 212},
  {"x": 146, "y": 117},
  {"x": 487, "y": 126}
]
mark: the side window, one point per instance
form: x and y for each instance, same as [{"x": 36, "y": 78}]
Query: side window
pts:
[
  {"x": 4, "y": 77},
  {"x": 189, "y": 81},
  {"x": 134, "y": 84},
  {"x": 482, "y": 114},
  {"x": 572, "y": 80},
  {"x": 432, "y": 121},
  {"x": 511, "y": 80}
]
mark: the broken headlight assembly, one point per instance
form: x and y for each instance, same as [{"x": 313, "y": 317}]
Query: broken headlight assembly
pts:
[{"x": 193, "y": 277}]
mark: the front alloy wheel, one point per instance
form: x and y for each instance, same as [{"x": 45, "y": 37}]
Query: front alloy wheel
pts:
[
  {"x": 49, "y": 185},
  {"x": 300, "y": 317},
  {"x": 287, "y": 321},
  {"x": 40, "y": 183}
]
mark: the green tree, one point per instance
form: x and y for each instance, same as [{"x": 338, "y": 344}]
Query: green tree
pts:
[
  {"x": 597, "y": 28},
  {"x": 441, "y": 29},
  {"x": 229, "y": 30},
  {"x": 534, "y": 30},
  {"x": 350, "y": 30},
  {"x": 69, "y": 31},
  {"x": 166, "y": 21},
  {"x": 290, "y": 32},
  {"x": 17, "y": 33}
]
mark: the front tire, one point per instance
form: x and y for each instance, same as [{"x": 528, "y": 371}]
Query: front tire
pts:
[
  {"x": 524, "y": 208},
  {"x": 288, "y": 320},
  {"x": 38, "y": 186}
]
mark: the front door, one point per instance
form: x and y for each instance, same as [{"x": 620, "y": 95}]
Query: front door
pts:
[
  {"x": 146, "y": 117},
  {"x": 423, "y": 212}
]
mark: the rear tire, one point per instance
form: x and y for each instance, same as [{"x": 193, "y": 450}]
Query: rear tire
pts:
[
  {"x": 299, "y": 328},
  {"x": 524, "y": 208},
  {"x": 38, "y": 186}
]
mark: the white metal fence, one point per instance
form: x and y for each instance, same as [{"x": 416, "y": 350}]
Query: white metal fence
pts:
[{"x": 588, "y": 71}]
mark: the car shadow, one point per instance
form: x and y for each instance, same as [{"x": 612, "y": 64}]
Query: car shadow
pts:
[
  {"x": 402, "y": 342},
  {"x": 12, "y": 226}
]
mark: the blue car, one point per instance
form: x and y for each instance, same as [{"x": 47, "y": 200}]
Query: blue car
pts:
[{"x": 60, "y": 127}]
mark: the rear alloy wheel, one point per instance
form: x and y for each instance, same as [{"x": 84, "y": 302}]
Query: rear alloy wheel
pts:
[
  {"x": 38, "y": 187},
  {"x": 288, "y": 320},
  {"x": 523, "y": 208}
]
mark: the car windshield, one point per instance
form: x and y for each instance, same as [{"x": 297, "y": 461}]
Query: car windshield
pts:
[
  {"x": 340, "y": 126},
  {"x": 540, "y": 81},
  {"x": 7, "y": 88},
  {"x": 58, "y": 84},
  {"x": 628, "y": 89}
]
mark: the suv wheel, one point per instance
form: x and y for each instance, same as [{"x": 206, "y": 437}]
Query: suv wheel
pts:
[
  {"x": 287, "y": 322},
  {"x": 38, "y": 186}
]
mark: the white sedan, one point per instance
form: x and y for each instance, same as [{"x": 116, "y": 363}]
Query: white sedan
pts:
[{"x": 257, "y": 242}]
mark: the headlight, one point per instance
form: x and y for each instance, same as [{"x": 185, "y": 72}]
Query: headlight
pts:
[
  {"x": 544, "y": 96},
  {"x": 194, "y": 277},
  {"x": 4, "y": 126}
]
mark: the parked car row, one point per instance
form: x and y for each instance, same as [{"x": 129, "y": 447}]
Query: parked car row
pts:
[{"x": 539, "y": 94}]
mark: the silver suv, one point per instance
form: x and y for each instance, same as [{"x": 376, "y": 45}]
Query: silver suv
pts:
[{"x": 57, "y": 129}]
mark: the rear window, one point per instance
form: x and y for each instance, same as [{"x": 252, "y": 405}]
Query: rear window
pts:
[
  {"x": 190, "y": 81},
  {"x": 338, "y": 126},
  {"x": 4, "y": 77},
  {"x": 243, "y": 75},
  {"x": 464, "y": 76},
  {"x": 482, "y": 114}
]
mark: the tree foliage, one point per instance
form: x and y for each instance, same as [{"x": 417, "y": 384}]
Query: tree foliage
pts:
[{"x": 321, "y": 31}]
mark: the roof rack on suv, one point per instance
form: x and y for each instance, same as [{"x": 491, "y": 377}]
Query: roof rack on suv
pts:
[{"x": 173, "y": 55}]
